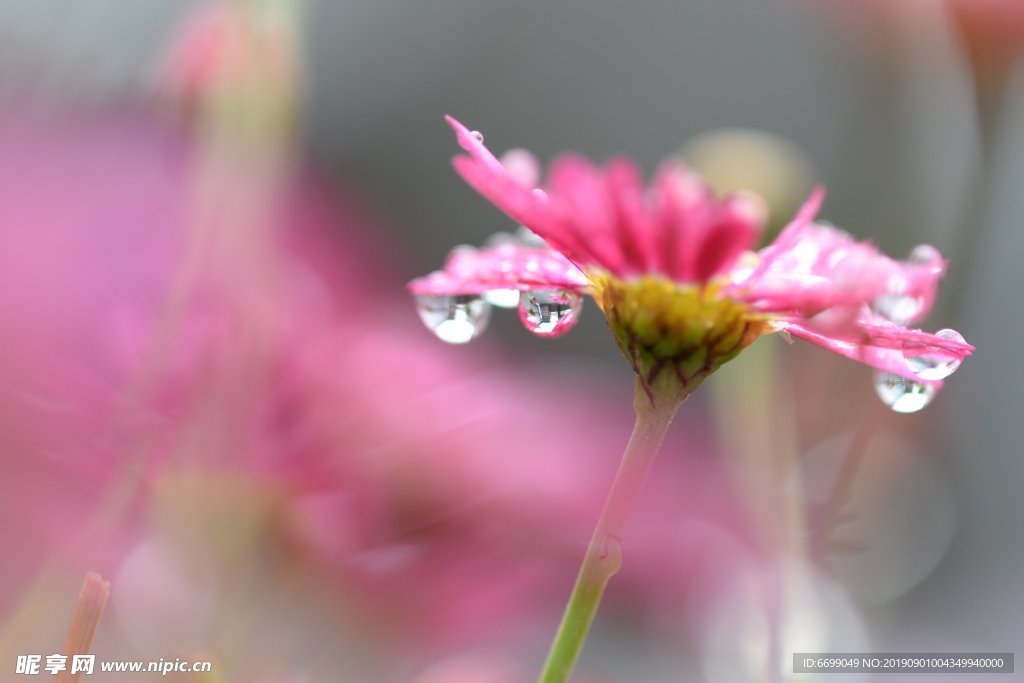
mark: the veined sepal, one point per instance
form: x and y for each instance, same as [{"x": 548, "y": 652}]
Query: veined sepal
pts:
[{"x": 674, "y": 335}]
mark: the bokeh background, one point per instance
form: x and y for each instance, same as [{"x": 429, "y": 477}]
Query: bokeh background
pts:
[{"x": 436, "y": 499}]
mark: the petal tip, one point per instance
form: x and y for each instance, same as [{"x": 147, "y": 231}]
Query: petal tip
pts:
[{"x": 812, "y": 205}]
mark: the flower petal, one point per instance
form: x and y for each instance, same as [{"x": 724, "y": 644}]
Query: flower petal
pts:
[
  {"x": 733, "y": 229},
  {"x": 604, "y": 218},
  {"x": 882, "y": 344},
  {"x": 508, "y": 266},
  {"x": 503, "y": 188},
  {"x": 579, "y": 190},
  {"x": 682, "y": 207},
  {"x": 811, "y": 267}
]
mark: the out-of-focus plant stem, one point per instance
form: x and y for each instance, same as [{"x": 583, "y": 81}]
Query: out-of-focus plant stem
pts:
[{"x": 604, "y": 554}]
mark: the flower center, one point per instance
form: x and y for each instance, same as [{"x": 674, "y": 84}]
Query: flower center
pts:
[{"x": 674, "y": 335}]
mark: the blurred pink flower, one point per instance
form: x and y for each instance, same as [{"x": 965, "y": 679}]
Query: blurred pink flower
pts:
[
  {"x": 642, "y": 252},
  {"x": 397, "y": 471},
  {"x": 991, "y": 31}
]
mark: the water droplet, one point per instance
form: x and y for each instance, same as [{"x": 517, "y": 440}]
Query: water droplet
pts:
[
  {"x": 502, "y": 298},
  {"x": 500, "y": 239},
  {"x": 551, "y": 312},
  {"x": 934, "y": 364},
  {"x": 899, "y": 308},
  {"x": 925, "y": 254},
  {"x": 462, "y": 251},
  {"x": 901, "y": 394},
  {"x": 477, "y": 135},
  {"x": 454, "y": 319},
  {"x": 528, "y": 238}
]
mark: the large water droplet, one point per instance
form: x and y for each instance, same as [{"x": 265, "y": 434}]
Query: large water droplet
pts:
[
  {"x": 502, "y": 298},
  {"x": 901, "y": 394},
  {"x": 934, "y": 364},
  {"x": 549, "y": 312},
  {"x": 454, "y": 319}
]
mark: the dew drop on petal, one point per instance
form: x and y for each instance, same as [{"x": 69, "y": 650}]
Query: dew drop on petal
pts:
[
  {"x": 901, "y": 394},
  {"x": 521, "y": 166},
  {"x": 454, "y": 319},
  {"x": 477, "y": 135},
  {"x": 500, "y": 239},
  {"x": 550, "y": 312},
  {"x": 462, "y": 251},
  {"x": 925, "y": 254},
  {"x": 934, "y": 365},
  {"x": 898, "y": 308},
  {"x": 502, "y": 298},
  {"x": 528, "y": 238}
]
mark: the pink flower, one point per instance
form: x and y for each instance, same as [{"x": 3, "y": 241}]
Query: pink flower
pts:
[
  {"x": 675, "y": 271},
  {"x": 435, "y": 525}
]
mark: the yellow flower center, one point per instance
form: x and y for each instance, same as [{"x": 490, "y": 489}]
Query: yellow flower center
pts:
[{"x": 674, "y": 335}]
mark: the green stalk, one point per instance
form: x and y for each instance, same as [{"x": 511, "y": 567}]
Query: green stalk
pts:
[{"x": 604, "y": 554}]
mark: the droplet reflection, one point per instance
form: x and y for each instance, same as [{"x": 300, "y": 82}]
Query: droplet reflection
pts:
[
  {"x": 901, "y": 394},
  {"x": 549, "y": 313},
  {"x": 454, "y": 319},
  {"x": 934, "y": 365}
]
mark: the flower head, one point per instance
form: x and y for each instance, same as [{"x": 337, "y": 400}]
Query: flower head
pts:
[{"x": 674, "y": 270}]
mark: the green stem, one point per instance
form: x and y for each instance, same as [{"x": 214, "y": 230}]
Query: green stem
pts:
[{"x": 604, "y": 554}]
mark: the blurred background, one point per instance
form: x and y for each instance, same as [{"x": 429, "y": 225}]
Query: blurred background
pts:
[{"x": 217, "y": 394}]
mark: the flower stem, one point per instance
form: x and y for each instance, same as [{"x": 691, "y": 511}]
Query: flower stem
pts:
[{"x": 604, "y": 554}]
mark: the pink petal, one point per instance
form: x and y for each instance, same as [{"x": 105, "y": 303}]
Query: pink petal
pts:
[
  {"x": 637, "y": 232},
  {"x": 473, "y": 143},
  {"x": 503, "y": 188},
  {"x": 603, "y": 217},
  {"x": 734, "y": 229},
  {"x": 811, "y": 267},
  {"x": 522, "y": 167},
  {"x": 509, "y": 266},
  {"x": 579, "y": 190},
  {"x": 682, "y": 208},
  {"x": 882, "y": 344}
]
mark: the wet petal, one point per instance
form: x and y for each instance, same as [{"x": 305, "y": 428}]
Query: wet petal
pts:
[
  {"x": 682, "y": 208},
  {"x": 812, "y": 267},
  {"x": 883, "y": 344},
  {"x": 503, "y": 187},
  {"x": 605, "y": 218},
  {"x": 734, "y": 230},
  {"x": 508, "y": 266}
]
